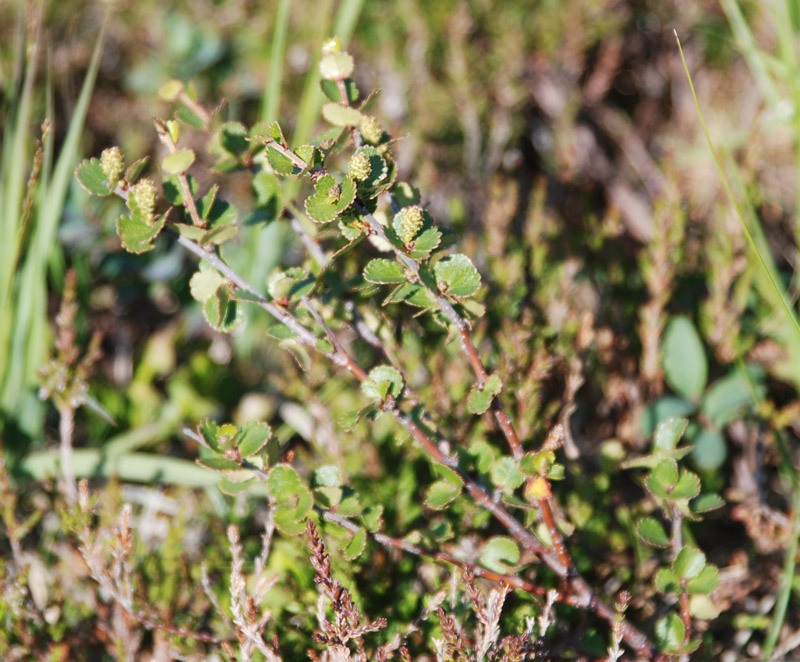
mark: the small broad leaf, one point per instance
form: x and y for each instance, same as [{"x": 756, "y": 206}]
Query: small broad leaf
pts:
[
  {"x": 689, "y": 562},
  {"x": 479, "y": 400},
  {"x": 670, "y": 632},
  {"x": 441, "y": 493},
  {"x": 330, "y": 199},
  {"x": 280, "y": 163},
  {"x": 205, "y": 282},
  {"x": 701, "y": 606},
  {"x": 684, "y": 359},
  {"x": 424, "y": 243},
  {"x": 650, "y": 530},
  {"x": 372, "y": 517},
  {"x": 413, "y": 294},
  {"x": 219, "y": 235},
  {"x": 253, "y": 436},
  {"x": 289, "y": 521},
  {"x": 710, "y": 451},
  {"x": 380, "y": 270},
  {"x": 500, "y": 554},
  {"x": 667, "y": 581},
  {"x": 232, "y": 488},
  {"x": 331, "y": 90},
  {"x": 283, "y": 483},
  {"x": 664, "y": 475},
  {"x": 728, "y": 398},
  {"x": 505, "y": 474},
  {"x": 135, "y": 169},
  {"x": 356, "y": 545},
  {"x": 669, "y": 433},
  {"x": 92, "y": 178},
  {"x": 327, "y": 476},
  {"x": 190, "y": 118},
  {"x": 340, "y": 115},
  {"x": 457, "y": 276},
  {"x": 173, "y": 191},
  {"x": 178, "y": 162},
  {"x": 688, "y": 486},
  {"x": 706, "y": 502},
  {"x": 383, "y": 381},
  {"x": 222, "y": 311},
  {"x": 705, "y": 582},
  {"x": 290, "y": 284},
  {"x": 233, "y": 138},
  {"x": 136, "y": 234}
]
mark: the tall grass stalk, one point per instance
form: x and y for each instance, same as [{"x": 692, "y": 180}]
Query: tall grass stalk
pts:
[
  {"x": 31, "y": 213},
  {"x": 774, "y": 294}
]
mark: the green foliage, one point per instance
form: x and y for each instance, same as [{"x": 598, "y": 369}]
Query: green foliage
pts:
[{"x": 571, "y": 324}]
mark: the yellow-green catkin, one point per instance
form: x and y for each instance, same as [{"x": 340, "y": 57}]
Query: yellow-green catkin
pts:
[
  {"x": 371, "y": 130},
  {"x": 359, "y": 167},
  {"x": 112, "y": 163},
  {"x": 408, "y": 222},
  {"x": 143, "y": 194}
]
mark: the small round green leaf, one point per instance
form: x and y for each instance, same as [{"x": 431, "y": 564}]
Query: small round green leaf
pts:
[
  {"x": 669, "y": 433},
  {"x": 705, "y": 582},
  {"x": 709, "y": 452},
  {"x": 327, "y": 476},
  {"x": 500, "y": 554},
  {"x": 650, "y": 530},
  {"x": 283, "y": 483},
  {"x": 505, "y": 474},
  {"x": 204, "y": 283},
  {"x": 670, "y": 632},
  {"x": 380, "y": 270},
  {"x": 667, "y": 581},
  {"x": 92, "y": 178},
  {"x": 136, "y": 234},
  {"x": 340, "y": 115},
  {"x": 382, "y": 382},
  {"x": 689, "y": 562},
  {"x": 356, "y": 545},
  {"x": 253, "y": 436},
  {"x": 457, "y": 276},
  {"x": 684, "y": 359},
  {"x": 688, "y": 486},
  {"x": 441, "y": 493},
  {"x": 178, "y": 162}
]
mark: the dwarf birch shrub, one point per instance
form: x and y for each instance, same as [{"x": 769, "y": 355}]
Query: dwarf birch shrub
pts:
[{"x": 378, "y": 267}]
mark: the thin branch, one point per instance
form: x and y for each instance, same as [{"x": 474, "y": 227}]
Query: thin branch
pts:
[
  {"x": 473, "y": 358},
  {"x": 584, "y": 596},
  {"x": 188, "y": 197}
]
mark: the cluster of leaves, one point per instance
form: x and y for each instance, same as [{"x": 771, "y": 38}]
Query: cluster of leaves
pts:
[{"x": 677, "y": 494}]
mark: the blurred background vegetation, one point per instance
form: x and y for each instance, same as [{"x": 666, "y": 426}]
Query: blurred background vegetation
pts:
[{"x": 561, "y": 141}]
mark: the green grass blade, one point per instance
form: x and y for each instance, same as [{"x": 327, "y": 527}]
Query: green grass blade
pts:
[
  {"x": 765, "y": 265},
  {"x": 145, "y": 468},
  {"x": 786, "y": 580},
  {"x": 29, "y": 341},
  {"x": 271, "y": 102},
  {"x": 751, "y": 53}
]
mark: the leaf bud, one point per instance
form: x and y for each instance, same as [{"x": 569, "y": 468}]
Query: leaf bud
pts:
[{"x": 332, "y": 46}]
